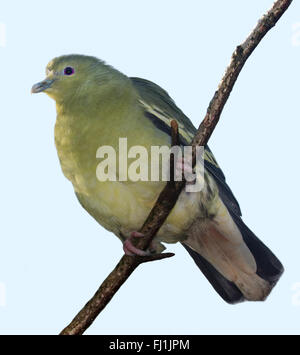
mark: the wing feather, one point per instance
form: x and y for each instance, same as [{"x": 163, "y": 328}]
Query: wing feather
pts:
[{"x": 160, "y": 109}]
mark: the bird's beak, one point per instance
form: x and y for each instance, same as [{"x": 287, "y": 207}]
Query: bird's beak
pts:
[{"x": 42, "y": 86}]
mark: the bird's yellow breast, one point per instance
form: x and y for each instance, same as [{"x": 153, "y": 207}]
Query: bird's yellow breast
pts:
[{"x": 120, "y": 206}]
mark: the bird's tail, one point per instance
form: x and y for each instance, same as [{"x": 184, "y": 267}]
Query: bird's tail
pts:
[{"x": 225, "y": 271}]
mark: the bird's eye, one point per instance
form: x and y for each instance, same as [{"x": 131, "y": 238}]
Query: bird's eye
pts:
[{"x": 69, "y": 71}]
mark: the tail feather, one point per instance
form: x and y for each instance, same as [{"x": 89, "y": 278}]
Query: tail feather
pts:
[
  {"x": 226, "y": 289},
  {"x": 268, "y": 266},
  {"x": 243, "y": 286}
]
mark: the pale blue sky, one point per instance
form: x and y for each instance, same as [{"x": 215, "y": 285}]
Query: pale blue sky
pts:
[{"x": 53, "y": 255}]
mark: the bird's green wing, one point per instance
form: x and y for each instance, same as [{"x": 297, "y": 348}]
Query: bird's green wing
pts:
[{"x": 160, "y": 109}]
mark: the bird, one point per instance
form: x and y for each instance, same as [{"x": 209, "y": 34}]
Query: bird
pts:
[{"x": 97, "y": 105}]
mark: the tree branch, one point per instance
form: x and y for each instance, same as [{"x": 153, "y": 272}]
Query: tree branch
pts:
[{"x": 168, "y": 197}]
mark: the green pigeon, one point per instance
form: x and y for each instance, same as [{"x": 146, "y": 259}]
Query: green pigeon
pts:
[{"x": 96, "y": 106}]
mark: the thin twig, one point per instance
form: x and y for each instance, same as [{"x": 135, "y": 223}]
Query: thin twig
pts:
[{"x": 168, "y": 197}]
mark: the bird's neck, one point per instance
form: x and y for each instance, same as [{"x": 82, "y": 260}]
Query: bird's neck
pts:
[
  {"x": 90, "y": 123},
  {"x": 97, "y": 111}
]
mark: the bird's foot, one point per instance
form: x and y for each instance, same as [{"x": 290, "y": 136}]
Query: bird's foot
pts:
[
  {"x": 130, "y": 249},
  {"x": 185, "y": 168}
]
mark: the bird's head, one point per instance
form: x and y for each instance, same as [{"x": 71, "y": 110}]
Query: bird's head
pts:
[{"x": 72, "y": 77}]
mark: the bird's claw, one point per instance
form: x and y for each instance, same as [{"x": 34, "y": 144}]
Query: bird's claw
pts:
[
  {"x": 185, "y": 168},
  {"x": 130, "y": 249}
]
